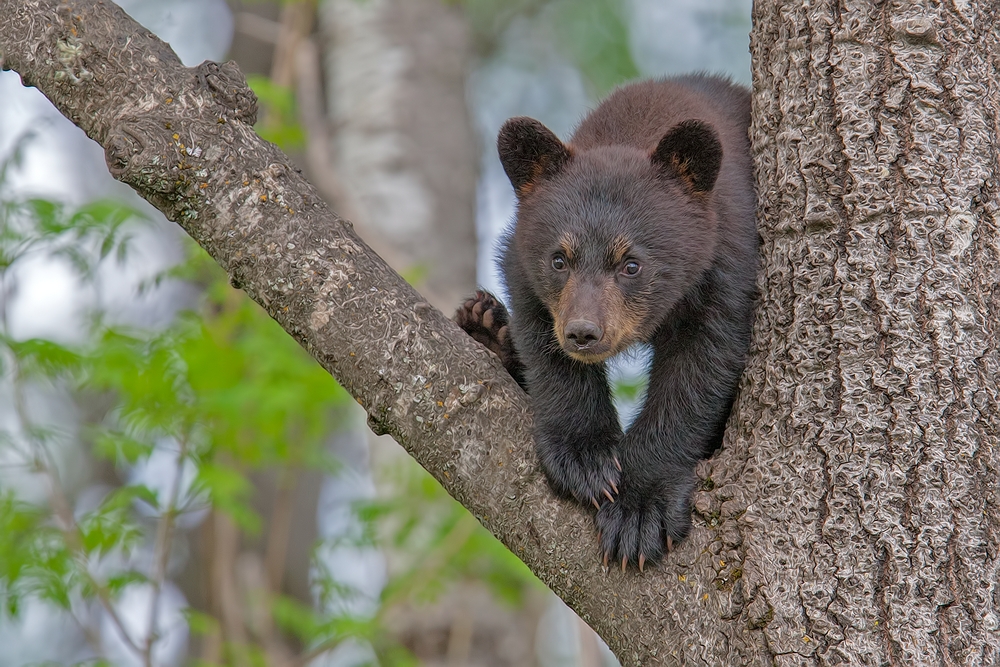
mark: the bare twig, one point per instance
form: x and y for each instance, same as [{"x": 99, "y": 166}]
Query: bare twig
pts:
[
  {"x": 161, "y": 551},
  {"x": 456, "y": 538},
  {"x": 460, "y": 635},
  {"x": 435, "y": 559},
  {"x": 228, "y": 606},
  {"x": 211, "y": 645},
  {"x": 71, "y": 532},
  {"x": 279, "y": 529},
  {"x": 297, "y": 19},
  {"x": 315, "y": 652},
  {"x": 309, "y": 103},
  {"x": 258, "y": 27},
  {"x": 45, "y": 463}
]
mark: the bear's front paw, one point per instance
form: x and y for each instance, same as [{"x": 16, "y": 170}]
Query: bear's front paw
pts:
[
  {"x": 591, "y": 477},
  {"x": 642, "y": 524},
  {"x": 483, "y": 317}
]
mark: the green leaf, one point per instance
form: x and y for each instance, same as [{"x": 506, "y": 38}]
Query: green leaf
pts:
[
  {"x": 298, "y": 619},
  {"x": 15, "y": 154},
  {"x": 629, "y": 390},
  {"x": 118, "y": 582},
  {"x": 19, "y": 523},
  {"x": 104, "y": 214},
  {"x": 108, "y": 529},
  {"x": 121, "y": 499},
  {"x": 48, "y": 216},
  {"x": 38, "y": 356},
  {"x": 279, "y": 119},
  {"x": 229, "y": 491},
  {"x": 199, "y": 623},
  {"x": 121, "y": 447}
]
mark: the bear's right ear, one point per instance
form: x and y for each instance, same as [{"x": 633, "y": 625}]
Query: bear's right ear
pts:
[
  {"x": 529, "y": 151},
  {"x": 691, "y": 151}
]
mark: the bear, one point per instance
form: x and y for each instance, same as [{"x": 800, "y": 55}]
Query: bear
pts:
[{"x": 639, "y": 230}]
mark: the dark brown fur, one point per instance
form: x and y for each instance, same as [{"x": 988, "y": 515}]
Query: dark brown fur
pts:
[{"x": 657, "y": 180}]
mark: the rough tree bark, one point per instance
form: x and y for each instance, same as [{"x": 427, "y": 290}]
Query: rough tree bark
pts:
[
  {"x": 871, "y": 467},
  {"x": 852, "y": 515}
]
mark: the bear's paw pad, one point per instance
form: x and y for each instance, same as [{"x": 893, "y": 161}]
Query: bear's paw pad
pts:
[{"x": 485, "y": 319}]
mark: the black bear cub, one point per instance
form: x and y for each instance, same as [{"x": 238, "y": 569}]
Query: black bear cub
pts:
[{"x": 640, "y": 229}]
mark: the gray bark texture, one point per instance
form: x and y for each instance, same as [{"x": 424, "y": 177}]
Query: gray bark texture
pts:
[
  {"x": 865, "y": 443},
  {"x": 852, "y": 514}
]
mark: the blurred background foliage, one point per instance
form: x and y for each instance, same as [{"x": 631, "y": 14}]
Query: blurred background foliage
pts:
[
  {"x": 221, "y": 392},
  {"x": 181, "y": 483},
  {"x": 592, "y": 33}
]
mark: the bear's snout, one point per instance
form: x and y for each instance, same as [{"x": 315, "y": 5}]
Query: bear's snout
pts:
[{"x": 582, "y": 334}]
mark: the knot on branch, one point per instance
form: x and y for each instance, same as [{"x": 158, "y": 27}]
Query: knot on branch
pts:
[
  {"x": 119, "y": 150},
  {"x": 229, "y": 88}
]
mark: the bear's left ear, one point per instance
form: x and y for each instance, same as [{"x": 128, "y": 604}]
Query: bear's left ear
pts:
[{"x": 690, "y": 151}]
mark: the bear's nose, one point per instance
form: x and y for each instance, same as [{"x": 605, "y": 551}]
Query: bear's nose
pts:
[{"x": 583, "y": 333}]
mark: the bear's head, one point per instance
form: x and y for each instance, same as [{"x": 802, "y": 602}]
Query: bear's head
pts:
[{"x": 611, "y": 237}]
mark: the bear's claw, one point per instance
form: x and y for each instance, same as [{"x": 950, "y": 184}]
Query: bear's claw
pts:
[{"x": 642, "y": 526}]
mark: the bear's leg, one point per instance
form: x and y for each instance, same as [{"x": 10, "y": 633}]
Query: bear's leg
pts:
[
  {"x": 483, "y": 317},
  {"x": 692, "y": 383},
  {"x": 576, "y": 426}
]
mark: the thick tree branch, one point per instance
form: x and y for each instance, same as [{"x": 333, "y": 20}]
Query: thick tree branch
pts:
[{"x": 183, "y": 139}]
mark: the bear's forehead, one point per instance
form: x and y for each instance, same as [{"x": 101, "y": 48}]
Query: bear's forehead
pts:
[
  {"x": 604, "y": 210},
  {"x": 593, "y": 196}
]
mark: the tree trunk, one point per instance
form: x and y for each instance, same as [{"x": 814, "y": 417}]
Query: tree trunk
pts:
[
  {"x": 403, "y": 146},
  {"x": 852, "y": 513},
  {"x": 865, "y": 439}
]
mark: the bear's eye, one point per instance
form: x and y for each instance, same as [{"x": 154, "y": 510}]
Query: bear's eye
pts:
[
  {"x": 631, "y": 268},
  {"x": 559, "y": 263}
]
